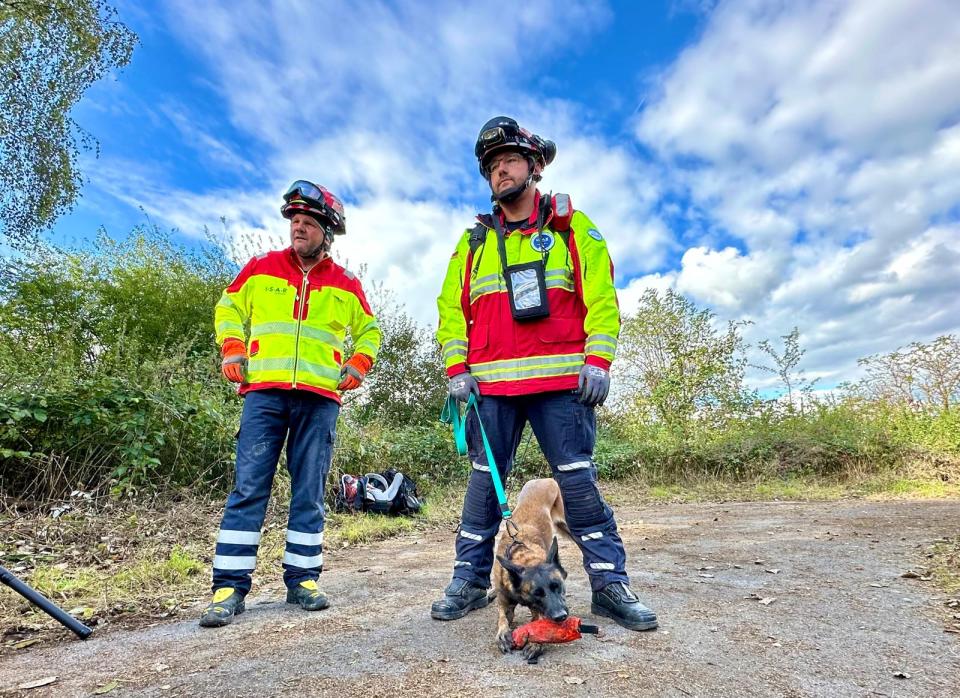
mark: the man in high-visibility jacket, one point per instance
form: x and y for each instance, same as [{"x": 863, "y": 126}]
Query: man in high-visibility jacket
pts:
[
  {"x": 529, "y": 324},
  {"x": 281, "y": 326}
]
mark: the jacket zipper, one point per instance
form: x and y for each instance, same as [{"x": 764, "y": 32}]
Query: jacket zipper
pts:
[{"x": 296, "y": 346}]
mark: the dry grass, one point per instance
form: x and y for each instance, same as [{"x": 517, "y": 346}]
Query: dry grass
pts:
[{"x": 136, "y": 563}]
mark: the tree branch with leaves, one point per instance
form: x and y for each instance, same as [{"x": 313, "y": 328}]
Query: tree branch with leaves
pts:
[{"x": 50, "y": 54}]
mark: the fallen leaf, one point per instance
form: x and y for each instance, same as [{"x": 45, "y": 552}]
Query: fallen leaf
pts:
[
  {"x": 45, "y": 681},
  {"x": 878, "y": 586},
  {"x": 767, "y": 601},
  {"x": 708, "y": 567},
  {"x": 910, "y": 574},
  {"x": 106, "y": 688},
  {"x": 708, "y": 576},
  {"x": 573, "y": 680},
  {"x": 772, "y": 570},
  {"x": 24, "y": 643},
  {"x": 901, "y": 675}
]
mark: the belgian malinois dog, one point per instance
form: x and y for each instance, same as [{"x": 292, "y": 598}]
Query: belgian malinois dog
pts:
[{"x": 528, "y": 570}]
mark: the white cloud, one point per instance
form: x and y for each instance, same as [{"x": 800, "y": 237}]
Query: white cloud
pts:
[
  {"x": 727, "y": 279},
  {"x": 382, "y": 103},
  {"x": 825, "y": 137}
]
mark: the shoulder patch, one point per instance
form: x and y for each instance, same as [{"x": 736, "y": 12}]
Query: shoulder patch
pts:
[
  {"x": 349, "y": 274},
  {"x": 595, "y": 234}
]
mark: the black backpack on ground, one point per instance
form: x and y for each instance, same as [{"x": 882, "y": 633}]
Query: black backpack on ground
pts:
[{"x": 389, "y": 492}]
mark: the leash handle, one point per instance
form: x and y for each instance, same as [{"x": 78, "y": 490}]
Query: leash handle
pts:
[{"x": 451, "y": 415}]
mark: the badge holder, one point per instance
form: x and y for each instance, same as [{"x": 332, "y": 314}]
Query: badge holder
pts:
[{"x": 526, "y": 283}]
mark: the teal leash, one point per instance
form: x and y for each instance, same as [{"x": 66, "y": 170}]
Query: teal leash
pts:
[{"x": 451, "y": 415}]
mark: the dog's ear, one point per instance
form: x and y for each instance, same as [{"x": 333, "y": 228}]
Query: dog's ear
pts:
[
  {"x": 515, "y": 571},
  {"x": 553, "y": 557}
]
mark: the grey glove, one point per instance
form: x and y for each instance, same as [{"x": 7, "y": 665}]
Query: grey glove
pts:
[
  {"x": 594, "y": 385},
  {"x": 461, "y": 385}
]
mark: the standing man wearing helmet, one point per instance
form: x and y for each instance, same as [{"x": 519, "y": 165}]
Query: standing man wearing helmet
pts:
[
  {"x": 529, "y": 321},
  {"x": 281, "y": 326}
]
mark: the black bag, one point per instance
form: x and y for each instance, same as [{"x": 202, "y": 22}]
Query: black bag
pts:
[{"x": 389, "y": 492}]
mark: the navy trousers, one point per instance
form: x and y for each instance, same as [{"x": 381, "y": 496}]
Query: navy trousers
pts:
[
  {"x": 307, "y": 422},
  {"x": 566, "y": 432}
]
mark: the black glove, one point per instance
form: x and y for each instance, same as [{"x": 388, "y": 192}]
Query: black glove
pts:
[
  {"x": 594, "y": 385},
  {"x": 461, "y": 385}
]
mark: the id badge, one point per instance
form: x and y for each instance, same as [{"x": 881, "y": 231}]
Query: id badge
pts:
[{"x": 528, "y": 291}]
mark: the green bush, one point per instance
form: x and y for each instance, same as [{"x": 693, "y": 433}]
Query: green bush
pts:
[{"x": 109, "y": 378}]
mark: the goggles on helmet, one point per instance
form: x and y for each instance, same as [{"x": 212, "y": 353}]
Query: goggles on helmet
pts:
[
  {"x": 503, "y": 133},
  {"x": 307, "y": 197}
]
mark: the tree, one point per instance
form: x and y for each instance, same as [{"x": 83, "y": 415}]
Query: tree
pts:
[
  {"x": 676, "y": 364},
  {"x": 785, "y": 364},
  {"x": 50, "y": 54},
  {"x": 408, "y": 385},
  {"x": 924, "y": 374}
]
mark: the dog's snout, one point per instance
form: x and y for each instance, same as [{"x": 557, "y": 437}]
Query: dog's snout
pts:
[{"x": 559, "y": 615}]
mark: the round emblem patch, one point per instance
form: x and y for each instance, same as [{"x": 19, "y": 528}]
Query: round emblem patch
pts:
[
  {"x": 542, "y": 242},
  {"x": 595, "y": 234}
]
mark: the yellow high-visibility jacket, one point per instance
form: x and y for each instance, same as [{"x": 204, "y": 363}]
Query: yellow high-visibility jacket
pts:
[
  {"x": 294, "y": 323},
  {"x": 478, "y": 333}
]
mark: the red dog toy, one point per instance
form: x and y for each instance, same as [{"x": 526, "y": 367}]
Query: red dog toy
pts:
[{"x": 547, "y": 631}]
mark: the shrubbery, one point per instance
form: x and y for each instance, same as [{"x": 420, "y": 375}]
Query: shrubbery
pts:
[{"x": 109, "y": 381}]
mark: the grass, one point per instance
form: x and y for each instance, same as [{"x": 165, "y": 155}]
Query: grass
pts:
[
  {"x": 914, "y": 484},
  {"x": 131, "y": 563},
  {"x": 149, "y": 576},
  {"x": 945, "y": 567}
]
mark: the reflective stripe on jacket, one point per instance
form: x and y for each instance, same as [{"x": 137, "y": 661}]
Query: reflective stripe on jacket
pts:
[
  {"x": 477, "y": 332},
  {"x": 296, "y": 322}
]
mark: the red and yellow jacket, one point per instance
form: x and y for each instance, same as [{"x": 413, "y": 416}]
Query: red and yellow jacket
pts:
[
  {"x": 478, "y": 333},
  {"x": 294, "y": 323}
]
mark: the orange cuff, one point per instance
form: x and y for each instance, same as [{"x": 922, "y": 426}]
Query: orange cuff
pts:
[
  {"x": 361, "y": 362},
  {"x": 233, "y": 347}
]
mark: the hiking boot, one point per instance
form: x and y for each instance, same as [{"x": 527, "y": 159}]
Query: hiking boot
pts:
[
  {"x": 616, "y": 601},
  {"x": 308, "y": 596},
  {"x": 459, "y": 598},
  {"x": 227, "y": 603}
]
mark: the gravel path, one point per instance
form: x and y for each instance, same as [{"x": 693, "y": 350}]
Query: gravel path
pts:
[{"x": 755, "y": 599}]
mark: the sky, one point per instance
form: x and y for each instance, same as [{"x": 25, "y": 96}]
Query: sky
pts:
[{"x": 790, "y": 163}]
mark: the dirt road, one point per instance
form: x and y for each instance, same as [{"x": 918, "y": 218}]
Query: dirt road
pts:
[{"x": 755, "y": 599}]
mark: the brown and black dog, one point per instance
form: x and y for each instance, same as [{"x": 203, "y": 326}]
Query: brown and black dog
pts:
[{"x": 528, "y": 571}]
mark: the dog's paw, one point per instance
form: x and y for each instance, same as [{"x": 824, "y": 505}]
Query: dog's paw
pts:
[
  {"x": 505, "y": 641},
  {"x": 532, "y": 652}
]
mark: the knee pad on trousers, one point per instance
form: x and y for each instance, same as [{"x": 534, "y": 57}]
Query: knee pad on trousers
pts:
[
  {"x": 582, "y": 502},
  {"x": 480, "y": 508}
]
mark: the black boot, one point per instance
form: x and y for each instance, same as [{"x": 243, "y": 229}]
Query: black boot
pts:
[
  {"x": 226, "y": 604},
  {"x": 618, "y": 602},
  {"x": 308, "y": 596},
  {"x": 459, "y": 598}
]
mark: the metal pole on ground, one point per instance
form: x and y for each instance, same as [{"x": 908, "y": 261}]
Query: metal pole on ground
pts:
[{"x": 44, "y": 604}]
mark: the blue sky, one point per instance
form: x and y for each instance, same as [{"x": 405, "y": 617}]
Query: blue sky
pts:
[{"x": 787, "y": 163}]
